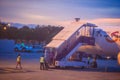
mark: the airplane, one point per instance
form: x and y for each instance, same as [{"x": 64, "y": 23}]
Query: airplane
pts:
[{"x": 106, "y": 43}]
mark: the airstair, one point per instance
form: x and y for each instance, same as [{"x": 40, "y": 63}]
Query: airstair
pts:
[{"x": 59, "y": 51}]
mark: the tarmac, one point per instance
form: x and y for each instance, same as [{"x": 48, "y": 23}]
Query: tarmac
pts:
[{"x": 31, "y": 71}]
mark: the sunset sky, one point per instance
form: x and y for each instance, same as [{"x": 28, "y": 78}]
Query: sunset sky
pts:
[{"x": 61, "y": 12}]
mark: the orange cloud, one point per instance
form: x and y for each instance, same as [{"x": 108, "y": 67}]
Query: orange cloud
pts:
[
  {"x": 106, "y": 21},
  {"x": 106, "y": 24}
]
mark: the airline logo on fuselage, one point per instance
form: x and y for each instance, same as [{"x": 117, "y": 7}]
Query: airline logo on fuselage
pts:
[{"x": 114, "y": 37}]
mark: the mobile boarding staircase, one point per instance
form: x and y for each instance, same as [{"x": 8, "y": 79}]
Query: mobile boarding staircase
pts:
[{"x": 86, "y": 37}]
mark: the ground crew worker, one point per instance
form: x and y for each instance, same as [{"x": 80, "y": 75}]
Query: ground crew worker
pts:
[
  {"x": 94, "y": 63},
  {"x": 18, "y": 61},
  {"x": 42, "y": 63},
  {"x": 88, "y": 60}
]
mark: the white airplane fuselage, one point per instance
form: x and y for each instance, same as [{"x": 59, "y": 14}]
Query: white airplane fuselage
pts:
[
  {"x": 109, "y": 43},
  {"x": 105, "y": 44}
]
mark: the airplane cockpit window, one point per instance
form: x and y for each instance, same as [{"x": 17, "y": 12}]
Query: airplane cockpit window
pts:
[
  {"x": 97, "y": 33},
  {"x": 105, "y": 35},
  {"x": 100, "y": 35}
]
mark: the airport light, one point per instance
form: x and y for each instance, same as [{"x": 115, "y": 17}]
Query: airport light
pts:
[
  {"x": 108, "y": 57},
  {"x": 8, "y": 24},
  {"x": 5, "y": 28}
]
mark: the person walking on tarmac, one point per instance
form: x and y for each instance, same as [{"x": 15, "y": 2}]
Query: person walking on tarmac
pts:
[
  {"x": 42, "y": 62},
  {"x": 18, "y": 62}
]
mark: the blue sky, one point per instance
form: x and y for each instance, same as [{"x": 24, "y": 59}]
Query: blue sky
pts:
[{"x": 58, "y": 11}]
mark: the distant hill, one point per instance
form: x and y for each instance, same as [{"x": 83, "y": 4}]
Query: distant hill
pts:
[{"x": 19, "y": 25}]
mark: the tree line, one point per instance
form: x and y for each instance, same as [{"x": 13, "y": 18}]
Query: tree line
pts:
[{"x": 39, "y": 33}]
